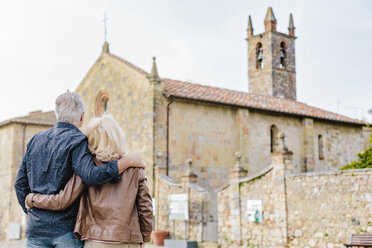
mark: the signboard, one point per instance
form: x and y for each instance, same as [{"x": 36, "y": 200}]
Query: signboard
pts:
[
  {"x": 254, "y": 210},
  {"x": 178, "y": 207},
  {"x": 153, "y": 206},
  {"x": 14, "y": 230}
]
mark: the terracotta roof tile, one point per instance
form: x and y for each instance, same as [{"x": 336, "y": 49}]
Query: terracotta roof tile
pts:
[
  {"x": 199, "y": 92},
  {"x": 225, "y": 96}
]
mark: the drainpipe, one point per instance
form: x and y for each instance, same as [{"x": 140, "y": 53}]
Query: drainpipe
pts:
[{"x": 168, "y": 108}]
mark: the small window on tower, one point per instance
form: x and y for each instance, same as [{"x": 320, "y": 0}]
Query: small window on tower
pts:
[
  {"x": 259, "y": 56},
  {"x": 282, "y": 55}
]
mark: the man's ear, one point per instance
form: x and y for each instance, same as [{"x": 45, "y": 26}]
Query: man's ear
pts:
[{"x": 82, "y": 117}]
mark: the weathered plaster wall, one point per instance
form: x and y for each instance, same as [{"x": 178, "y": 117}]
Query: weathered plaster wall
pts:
[
  {"x": 367, "y": 138},
  {"x": 6, "y": 161},
  {"x": 259, "y": 130},
  {"x": 130, "y": 103},
  {"x": 14, "y": 138},
  {"x": 208, "y": 135},
  {"x": 341, "y": 144}
]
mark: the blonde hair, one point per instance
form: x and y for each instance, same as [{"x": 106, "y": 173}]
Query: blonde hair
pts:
[{"x": 106, "y": 140}]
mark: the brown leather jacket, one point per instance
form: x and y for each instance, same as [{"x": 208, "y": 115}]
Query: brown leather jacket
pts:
[{"x": 111, "y": 212}]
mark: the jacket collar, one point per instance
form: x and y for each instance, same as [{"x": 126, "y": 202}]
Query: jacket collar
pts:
[{"x": 65, "y": 125}]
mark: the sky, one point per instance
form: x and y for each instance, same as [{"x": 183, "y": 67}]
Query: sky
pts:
[{"x": 49, "y": 46}]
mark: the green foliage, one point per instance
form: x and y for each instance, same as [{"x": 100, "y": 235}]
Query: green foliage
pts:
[{"x": 364, "y": 160}]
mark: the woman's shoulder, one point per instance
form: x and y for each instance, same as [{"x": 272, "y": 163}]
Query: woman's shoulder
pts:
[{"x": 133, "y": 158}]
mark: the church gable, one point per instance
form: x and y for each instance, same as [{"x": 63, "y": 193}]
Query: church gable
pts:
[
  {"x": 115, "y": 87},
  {"x": 120, "y": 89}
]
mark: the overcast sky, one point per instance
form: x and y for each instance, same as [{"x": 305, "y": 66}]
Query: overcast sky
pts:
[{"x": 48, "y": 46}]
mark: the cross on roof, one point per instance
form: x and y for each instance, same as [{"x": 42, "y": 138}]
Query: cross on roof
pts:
[{"x": 105, "y": 19}]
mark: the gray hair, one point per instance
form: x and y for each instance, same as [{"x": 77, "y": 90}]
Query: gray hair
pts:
[{"x": 69, "y": 108}]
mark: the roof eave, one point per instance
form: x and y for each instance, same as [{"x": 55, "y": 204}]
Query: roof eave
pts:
[
  {"x": 263, "y": 110},
  {"x": 8, "y": 122}
]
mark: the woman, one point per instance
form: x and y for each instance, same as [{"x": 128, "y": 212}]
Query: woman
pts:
[{"x": 112, "y": 214}]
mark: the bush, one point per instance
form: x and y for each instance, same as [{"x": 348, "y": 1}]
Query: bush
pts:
[{"x": 364, "y": 160}]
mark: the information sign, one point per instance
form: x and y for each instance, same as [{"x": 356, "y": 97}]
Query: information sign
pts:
[
  {"x": 254, "y": 210},
  {"x": 178, "y": 207}
]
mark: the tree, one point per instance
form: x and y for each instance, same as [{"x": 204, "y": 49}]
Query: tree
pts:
[{"x": 364, "y": 161}]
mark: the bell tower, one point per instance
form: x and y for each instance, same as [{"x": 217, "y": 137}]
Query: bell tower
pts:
[{"x": 271, "y": 59}]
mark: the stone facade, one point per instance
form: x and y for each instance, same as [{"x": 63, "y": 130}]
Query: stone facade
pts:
[
  {"x": 208, "y": 126},
  {"x": 197, "y": 198},
  {"x": 130, "y": 102},
  {"x": 14, "y": 136},
  {"x": 198, "y": 132},
  {"x": 234, "y": 228},
  {"x": 324, "y": 209},
  {"x": 275, "y": 75},
  {"x": 313, "y": 209}
]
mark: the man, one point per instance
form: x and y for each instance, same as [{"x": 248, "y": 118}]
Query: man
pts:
[{"x": 51, "y": 158}]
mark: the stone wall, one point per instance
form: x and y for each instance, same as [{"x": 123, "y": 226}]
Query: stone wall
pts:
[
  {"x": 259, "y": 129},
  {"x": 14, "y": 138},
  {"x": 205, "y": 133},
  {"x": 324, "y": 209},
  {"x": 367, "y": 138},
  {"x": 211, "y": 135},
  {"x": 6, "y": 159},
  {"x": 341, "y": 144},
  {"x": 235, "y": 230},
  {"x": 271, "y": 79},
  {"x": 191, "y": 229},
  {"x": 313, "y": 209},
  {"x": 130, "y": 103}
]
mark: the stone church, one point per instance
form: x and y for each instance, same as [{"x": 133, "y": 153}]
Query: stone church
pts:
[{"x": 168, "y": 121}]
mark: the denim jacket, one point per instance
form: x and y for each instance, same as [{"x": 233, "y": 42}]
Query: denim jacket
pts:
[{"x": 51, "y": 158}]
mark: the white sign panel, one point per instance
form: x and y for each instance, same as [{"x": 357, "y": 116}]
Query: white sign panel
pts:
[
  {"x": 14, "y": 230},
  {"x": 178, "y": 207},
  {"x": 153, "y": 206},
  {"x": 254, "y": 210}
]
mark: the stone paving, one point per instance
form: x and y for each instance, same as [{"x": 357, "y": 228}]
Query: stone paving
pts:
[{"x": 22, "y": 244}]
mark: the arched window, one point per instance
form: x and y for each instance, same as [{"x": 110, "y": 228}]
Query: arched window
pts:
[
  {"x": 320, "y": 147},
  {"x": 102, "y": 103},
  {"x": 259, "y": 56},
  {"x": 273, "y": 138},
  {"x": 282, "y": 55}
]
